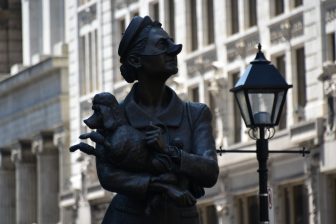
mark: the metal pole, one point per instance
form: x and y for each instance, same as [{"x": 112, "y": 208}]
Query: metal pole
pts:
[{"x": 262, "y": 156}]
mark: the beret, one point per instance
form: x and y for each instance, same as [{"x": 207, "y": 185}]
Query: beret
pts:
[{"x": 136, "y": 25}]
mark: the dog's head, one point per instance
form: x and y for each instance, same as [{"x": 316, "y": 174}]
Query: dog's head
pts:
[{"x": 107, "y": 113}]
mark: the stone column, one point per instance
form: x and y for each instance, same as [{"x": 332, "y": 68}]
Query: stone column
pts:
[
  {"x": 222, "y": 210},
  {"x": 7, "y": 188},
  {"x": 53, "y": 24},
  {"x": 25, "y": 177},
  {"x": 32, "y": 29},
  {"x": 47, "y": 178},
  {"x": 62, "y": 142}
]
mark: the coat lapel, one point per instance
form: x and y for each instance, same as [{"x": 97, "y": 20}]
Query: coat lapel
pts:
[{"x": 138, "y": 118}]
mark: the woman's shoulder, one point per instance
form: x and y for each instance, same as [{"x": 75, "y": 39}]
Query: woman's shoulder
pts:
[
  {"x": 196, "y": 106},
  {"x": 196, "y": 110}
]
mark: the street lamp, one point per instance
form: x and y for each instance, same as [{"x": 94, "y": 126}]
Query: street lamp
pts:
[{"x": 260, "y": 94}]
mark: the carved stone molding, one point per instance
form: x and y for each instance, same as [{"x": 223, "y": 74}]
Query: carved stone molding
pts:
[
  {"x": 43, "y": 143},
  {"x": 330, "y": 14},
  {"x": 242, "y": 47},
  {"x": 87, "y": 15},
  {"x": 22, "y": 152},
  {"x": 60, "y": 138},
  {"x": 287, "y": 29},
  {"x": 201, "y": 63},
  {"x": 329, "y": 73},
  {"x": 119, "y": 4},
  {"x": 328, "y": 78},
  {"x": 308, "y": 133},
  {"x": 6, "y": 162}
]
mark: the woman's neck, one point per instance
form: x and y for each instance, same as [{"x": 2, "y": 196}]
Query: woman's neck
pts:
[{"x": 152, "y": 95}]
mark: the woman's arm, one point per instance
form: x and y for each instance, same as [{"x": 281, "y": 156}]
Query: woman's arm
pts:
[
  {"x": 120, "y": 181},
  {"x": 133, "y": 184},
  {"x": 201, "y": 164}
]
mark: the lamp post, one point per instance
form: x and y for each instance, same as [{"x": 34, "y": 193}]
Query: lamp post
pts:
[{"x": 260, "y": 94}]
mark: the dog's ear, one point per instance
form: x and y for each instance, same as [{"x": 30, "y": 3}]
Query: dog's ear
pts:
[{"x": 108, "y": 117}]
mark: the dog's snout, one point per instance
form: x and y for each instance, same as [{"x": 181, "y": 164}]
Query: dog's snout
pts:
[{"x": 91, "y": 122}]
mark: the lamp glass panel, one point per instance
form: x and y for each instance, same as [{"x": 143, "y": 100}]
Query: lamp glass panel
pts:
[
  {"x": 278, "y": 106},
  {"x": 261, "y": 105},
  {"x": 240, "y": 96}
]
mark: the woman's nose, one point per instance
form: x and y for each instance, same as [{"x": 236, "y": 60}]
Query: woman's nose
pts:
[{"x": 174, "y": 49}]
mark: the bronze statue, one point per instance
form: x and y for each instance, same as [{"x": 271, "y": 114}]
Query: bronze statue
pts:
[{"x": 170, "y": 140}]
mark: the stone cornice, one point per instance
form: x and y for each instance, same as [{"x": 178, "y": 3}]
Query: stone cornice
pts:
[{"x": 32, "y": 73}]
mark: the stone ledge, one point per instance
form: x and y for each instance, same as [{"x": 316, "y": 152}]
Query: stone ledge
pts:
[
  {"x": 307, "y": 132},
  {"x": 32, "y": 73}
]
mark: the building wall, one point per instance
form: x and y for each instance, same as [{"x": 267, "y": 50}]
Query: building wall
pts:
[
  {"x": 219, "y": 42},
  {"x": 34, "y": 117},
  {"x": 293, "y": 35}
]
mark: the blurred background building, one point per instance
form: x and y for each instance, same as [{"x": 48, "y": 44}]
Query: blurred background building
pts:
[{"x": 55, "y": 55}]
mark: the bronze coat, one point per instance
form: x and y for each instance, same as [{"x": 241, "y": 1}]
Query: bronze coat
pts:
[{"x": 198, "y": 168}]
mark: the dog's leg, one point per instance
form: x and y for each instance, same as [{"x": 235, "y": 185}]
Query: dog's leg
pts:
[{"x": 88, "y": 149}]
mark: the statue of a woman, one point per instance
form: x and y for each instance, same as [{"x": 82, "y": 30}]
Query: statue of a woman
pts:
[{"x": 149, "y": 56}]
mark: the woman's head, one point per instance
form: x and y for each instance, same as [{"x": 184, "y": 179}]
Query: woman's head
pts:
[{"x": 143, "y": 38}]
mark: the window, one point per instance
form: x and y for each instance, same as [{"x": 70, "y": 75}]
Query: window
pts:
[
  {"x": 122, "y": 26},
  {"x": 171, "y": 19},
  {"x": 279, "y": 7},
  {"x": 134, "y": 13},
  {"x": 295, "y": 204},
  {"x": 85, "y": 112},
  {"x": 237, "y": 121},
  {"x": 82, "y": 2},
  {"x": 234, "y": 16},
  {"x": 331, "y": 48},
  {"x": 195, "y": 97},
  {"x": 212, "y": 106},
  {"x": 89, "y": 78},
  {"x": 208, "y": 215},
  {"x": 280, "y": 63},
  {"x": 121, "y": 29},
  {"x": 3, "y": 4},
  {"x": 297, "y": 3},
  {"x": 155, "y": 13},
  {"x": 210, "y": 37},
  {"x": 301, "y": 81},
  {"x": 247, "y": 209},
  {"x": 193, "y": 26},
  {"x": 252, "y": 7}
]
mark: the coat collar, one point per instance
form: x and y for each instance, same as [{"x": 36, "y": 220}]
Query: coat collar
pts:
[{"x": 138, "y": 118}]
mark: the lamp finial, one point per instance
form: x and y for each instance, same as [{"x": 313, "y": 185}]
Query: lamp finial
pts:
[{"x": 260, "y": 57}]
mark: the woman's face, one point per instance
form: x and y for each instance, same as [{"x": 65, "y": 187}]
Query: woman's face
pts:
[{"x": 159, "y": 57}]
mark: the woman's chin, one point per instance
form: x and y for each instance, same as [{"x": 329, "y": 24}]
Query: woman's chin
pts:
[{"x": 173, "y": 70}]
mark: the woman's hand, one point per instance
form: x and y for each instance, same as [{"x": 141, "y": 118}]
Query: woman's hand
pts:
[
  {"x": 165, "y": 183},
  {"x": 156, "y": 139}
]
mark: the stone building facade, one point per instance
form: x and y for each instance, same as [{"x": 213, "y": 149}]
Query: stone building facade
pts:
[
  {"x": 71, "y": 54},
  {"x": 219, "y": 39},
  {"x": 34, "y": 112}
]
